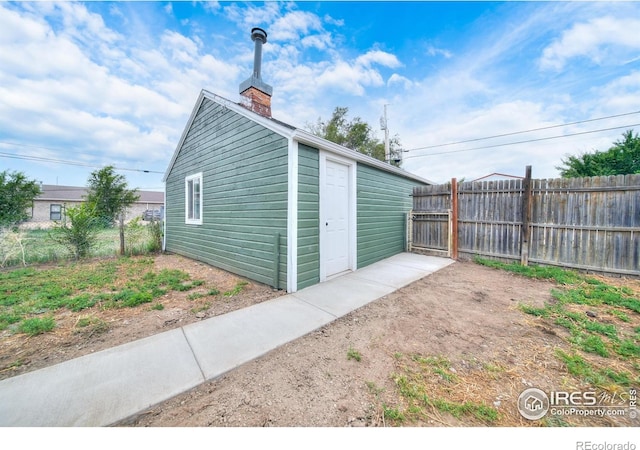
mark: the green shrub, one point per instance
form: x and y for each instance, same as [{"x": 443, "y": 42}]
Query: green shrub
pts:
[
  {"x": 156, "y": 233},
  {"x": 78, "y": 235},
  {"x": 134, "y": 233}
]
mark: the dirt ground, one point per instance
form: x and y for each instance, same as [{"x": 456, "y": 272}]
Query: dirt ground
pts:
[{"x": 465, "y": 313}]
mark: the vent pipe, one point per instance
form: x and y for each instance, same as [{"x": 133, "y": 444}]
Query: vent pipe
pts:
[{"x": 259, "y": 36}]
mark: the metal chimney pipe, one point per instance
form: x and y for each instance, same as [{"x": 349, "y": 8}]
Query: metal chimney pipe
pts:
[
  {"x": 255, "y": 93},
  {"x": 259, "y": 36}
]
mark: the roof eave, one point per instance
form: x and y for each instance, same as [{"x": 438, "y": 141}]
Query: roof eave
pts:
[{"x": 316, "y": 141}]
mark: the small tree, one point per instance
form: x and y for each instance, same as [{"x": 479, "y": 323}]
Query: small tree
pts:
[
  {"x": 156, "y": 232},
  {"x": 79, "y": 234},
  {"x": 109, "y": 195},
  {"x": 16, "y": 196}
]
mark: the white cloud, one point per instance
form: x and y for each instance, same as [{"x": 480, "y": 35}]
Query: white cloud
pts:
[
  {"x": 320, "y": 41},
  {"x": 128, "y": 102},
  {"x": 619, "y": 95},
  {"x": 17, "y": 29},
  {"x": 181, "y": 48},
  {"x": 352, "y": 77},
  {"x": 433, "y": 51},
  {"x": 599, "y": 40},
  {"x": 405, "y": 82},
  {"x": 249, "y": 16},
  {"x": 293, "y": 25},
  {"x": 348, "y": 78},
  {"x": 378, "y": 57},
  {"x": 83, "y": 25},
  {"x": 212, "y": 6}
]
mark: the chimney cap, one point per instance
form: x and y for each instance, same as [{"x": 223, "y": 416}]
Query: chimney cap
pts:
[{"x": 258, "y": 33}]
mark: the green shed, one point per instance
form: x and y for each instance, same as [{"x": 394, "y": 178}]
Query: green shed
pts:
[{"x": 257, "y": 197}]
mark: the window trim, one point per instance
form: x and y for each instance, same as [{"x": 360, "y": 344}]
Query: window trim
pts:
[
  {"x": 187, "y": 180},
  {"x": 51, "y": 212}
]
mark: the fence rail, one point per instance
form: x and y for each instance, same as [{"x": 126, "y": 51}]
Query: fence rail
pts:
[{"x": 586, "y": 223}]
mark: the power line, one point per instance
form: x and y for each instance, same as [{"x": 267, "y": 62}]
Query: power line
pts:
[
  {"x": 71, "y": 163},
  {"x": 523, "y": 142},
  {"x": 522, "y": 132}
]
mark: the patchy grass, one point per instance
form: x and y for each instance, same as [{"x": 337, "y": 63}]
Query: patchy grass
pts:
[
  {"x": 237, "y": 289},
  {"x": 429, "y": 387},
  {"x": 91, "y": 325},
  {"x": 559, "y": 275},
  {"x": 27, "y": 293},
  {"x": 354, "y": 354},
  {"x": 37, "y": 325},
  {"x": 598, "y": 319},
  {"x": 201, "y": 308}
]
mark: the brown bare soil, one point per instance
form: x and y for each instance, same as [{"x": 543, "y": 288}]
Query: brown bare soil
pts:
[{"x": 465, "y": 314}]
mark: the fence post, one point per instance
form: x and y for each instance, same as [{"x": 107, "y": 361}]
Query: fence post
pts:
[
  {"x": 408, "y": 231},
  {"x": 454, "y": 218},
  {"x": 526, "y": 218}
]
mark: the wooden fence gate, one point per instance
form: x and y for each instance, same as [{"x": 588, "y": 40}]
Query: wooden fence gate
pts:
[
  {"x": 430, "y": 224},
  {"x": 583, "y": 223}
]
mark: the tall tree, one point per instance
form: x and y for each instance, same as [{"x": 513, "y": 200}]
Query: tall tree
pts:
[
  {"x": 16, "y": 195},
  {"x": 621, "y": 159},
  {"x": 109, "y": 195},
  {"x": 356, "y": 135}
]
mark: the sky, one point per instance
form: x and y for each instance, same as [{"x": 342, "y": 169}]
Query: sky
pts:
[{"x": 89, "y": 84}]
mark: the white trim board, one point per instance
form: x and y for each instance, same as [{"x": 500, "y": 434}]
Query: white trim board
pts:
[{"x": 292, "y": 218}]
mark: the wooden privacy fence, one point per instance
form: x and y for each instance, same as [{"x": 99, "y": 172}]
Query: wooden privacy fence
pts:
[{"x": 583, "y": 223}]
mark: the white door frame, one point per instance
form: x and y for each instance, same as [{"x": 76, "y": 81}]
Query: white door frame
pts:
[{"x": 352, "y": 251}]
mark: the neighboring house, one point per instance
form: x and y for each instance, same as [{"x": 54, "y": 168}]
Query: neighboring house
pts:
[
  {"x": 495, "y": 176},
  {"x": 276, "y": 204},
  {"x": 53, "y": 199}
]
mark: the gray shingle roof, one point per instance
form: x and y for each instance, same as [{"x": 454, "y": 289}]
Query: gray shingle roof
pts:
[{"x": 52, "y": 192}]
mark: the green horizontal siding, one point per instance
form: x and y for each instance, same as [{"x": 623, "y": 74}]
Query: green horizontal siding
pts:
[
  {"x": 383, "y": 200},
  {"x": 308, "y": 217},
  {"x": 244, "y": 167}
]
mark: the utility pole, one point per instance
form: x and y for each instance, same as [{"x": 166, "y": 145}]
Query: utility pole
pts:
[{"x": 385, "y": 127}]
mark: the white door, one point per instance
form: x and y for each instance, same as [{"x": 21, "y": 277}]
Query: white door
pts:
[{"x": 336, "y": 220}]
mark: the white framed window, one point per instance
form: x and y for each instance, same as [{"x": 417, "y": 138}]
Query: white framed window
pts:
[
  {"x": 55, "y": 212},
  {"x": 193, "y": 199}
]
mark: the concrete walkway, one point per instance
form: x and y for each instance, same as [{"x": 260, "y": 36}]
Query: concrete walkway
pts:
[{"x": 105, "y": 387}]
